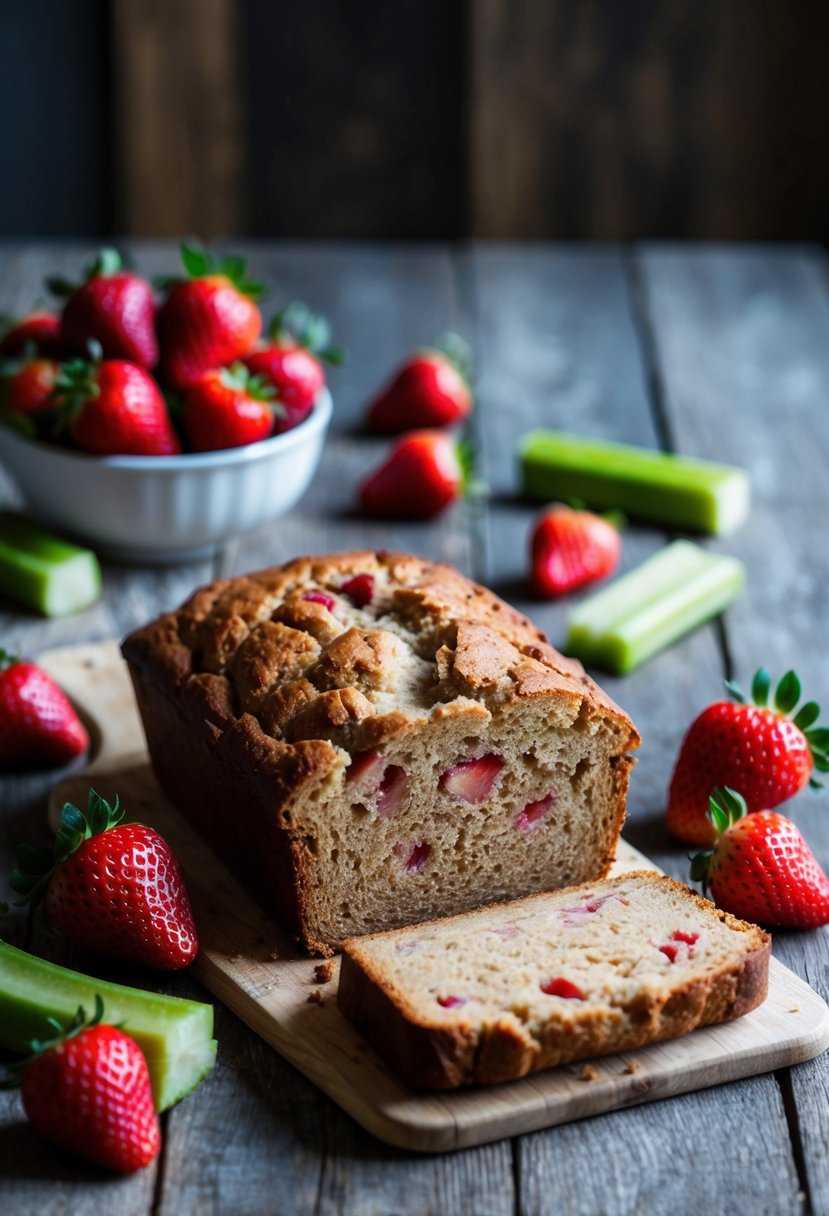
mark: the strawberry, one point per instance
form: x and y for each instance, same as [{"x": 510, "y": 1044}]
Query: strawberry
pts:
[
  {"x": 570, "y": 548},
  {"x": 760, "y": 868},
  {"x": 208, "y": 320},
  {"x": 38, "y": 330},
  {"x": 228, "y": 408},
  {"x": 89, "y": 1090},
  {"x": 431, "y": 389},
  {"x": 37, "y": 721},
  {"x": 471, "y": 781},
  {"x": 424, "y": 472},
  {"x": 114, "y": 888},
  {"x": 27, "y": 385},
  {"x": 755, "y": 747},
  {"x": 114, "y": 408},
  {"x": 113, "y": 307},
  {"x": 291, "y": 361}
]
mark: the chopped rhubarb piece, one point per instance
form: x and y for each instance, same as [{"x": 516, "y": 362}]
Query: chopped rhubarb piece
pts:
[
  {"x": 670, "y": 951},
  {"x": 561, "y": 987},
  {"x": 471, "y": 781},
  {"x": 365, "y": 768},
  {"x": 413, "y": 857},
  {"x": 392, "y": 789},
  {"x": 320, "y": 597},
  {"x": 451, "y": 1002},
  {"x": 359, "y": 589},
  {"x": 507, "y": 932},
  {"x": 534, "y": 812},
  {"x": 681, "y": 935}
]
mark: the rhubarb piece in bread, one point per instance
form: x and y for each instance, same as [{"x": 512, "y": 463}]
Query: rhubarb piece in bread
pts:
[
  {"x": 508, "y": 990},
  {"x": 371, "y": 740}
]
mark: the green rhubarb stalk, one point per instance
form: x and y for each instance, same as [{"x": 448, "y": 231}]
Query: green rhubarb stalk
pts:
[
  {"x": 678, "y": 491},
  {"x": 660, "y": 601},
  {"x": 175, "y": 1035},
  {"x": 43, "y": 572}
]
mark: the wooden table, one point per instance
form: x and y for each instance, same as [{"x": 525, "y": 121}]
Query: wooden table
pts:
[{"x": 716, "y": 351}]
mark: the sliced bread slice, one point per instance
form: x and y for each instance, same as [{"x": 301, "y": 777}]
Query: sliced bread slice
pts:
[{"x": 516, "y": 987}]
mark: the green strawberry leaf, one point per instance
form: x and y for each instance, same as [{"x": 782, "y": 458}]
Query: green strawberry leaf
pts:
[
  {"x": 700, "y": 864},
  {"x": 107, "y": 262},
  {"x": 232, "y": 267},
  {"x": 814, "y": 784},
  {"x": 760, "y": 686},
  {"x": 735, "y": 691},
  {"x": 787, "y": 693},
  {"x": 818, "y": 738},
  {"x": 196, "y": 260},
  {"x": 252, "y": 288},
  {"x": 806, "y": 715},
  {"x": 60, "y": 286}
]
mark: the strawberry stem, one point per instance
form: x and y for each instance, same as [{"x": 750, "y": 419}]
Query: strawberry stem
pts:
[
  {"x": 11, "y": 1079},
  {"x": 35, "y": 865}
]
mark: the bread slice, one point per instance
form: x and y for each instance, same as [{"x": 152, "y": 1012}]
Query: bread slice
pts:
[
  {"x": 508, "y": 990},
  {"x": 371, "y": 740}
]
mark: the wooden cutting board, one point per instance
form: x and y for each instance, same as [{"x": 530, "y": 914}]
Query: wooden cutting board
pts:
[{"x": 249, "y": 964}]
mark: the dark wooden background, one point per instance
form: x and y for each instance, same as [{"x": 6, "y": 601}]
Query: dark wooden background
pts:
[{"x": 588, "y": 119}]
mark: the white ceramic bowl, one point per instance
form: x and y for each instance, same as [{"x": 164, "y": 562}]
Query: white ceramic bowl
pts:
[{"x": 164, "y": 509}]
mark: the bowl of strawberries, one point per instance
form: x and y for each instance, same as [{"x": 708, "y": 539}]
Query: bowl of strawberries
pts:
[{"x": 155, "y": 432}]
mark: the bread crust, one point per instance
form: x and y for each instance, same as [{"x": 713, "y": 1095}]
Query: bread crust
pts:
[
  {"x": 436, "y": 1054},
  {"x": 249, "y": 696}
]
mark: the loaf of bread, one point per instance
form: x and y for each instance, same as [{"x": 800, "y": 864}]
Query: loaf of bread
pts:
[
  {"x": 508, "y": 990},
  {"x": 371, "y": 740}
]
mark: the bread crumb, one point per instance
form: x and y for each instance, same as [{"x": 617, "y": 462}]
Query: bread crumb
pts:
[
  {"x": 323, "y": 972},
  {"x": 315, "y": 997},
  {"x": 274, "y": 955},
  {"x": 794, "y": 1009},
  {"x": 632, "y": 1067},
  {"x": 588, "y": 1073}
]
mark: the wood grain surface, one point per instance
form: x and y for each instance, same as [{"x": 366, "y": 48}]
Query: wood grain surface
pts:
[{"x": 718, "y": 351}]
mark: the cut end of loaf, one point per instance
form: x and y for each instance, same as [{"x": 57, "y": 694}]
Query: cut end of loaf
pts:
[{"x": 372, "y": 760}]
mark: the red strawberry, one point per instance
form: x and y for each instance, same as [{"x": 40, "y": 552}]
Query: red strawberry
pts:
[
  {"x": 113, "y": 307},
  {"x": 228, "y": 408},
  {"x": 27, "y": 385},
  {"x": 359, "y": 589},
  {"x": 89, "y": 1091},
  {"x": 114, "y": 408},
  {"x": 208, "y": 320},
  {"x": 114, "y": 888},
  {"x": 39, "y": 330},
  {"x": 424, "y": 472},
  {"x": 571, "y": 548},
  {"x": 753, "y": 747},
  {"x": 472, "y": 780},
  {"x": 431, "y": 389},
  {"x": 291, "y": 361},
  {"x": 760, "y": 867},
  {"x": 37, "y": 721}
]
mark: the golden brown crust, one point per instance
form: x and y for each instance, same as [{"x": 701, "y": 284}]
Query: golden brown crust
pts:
[
  {"x": 428, "y": 1053},
  {"x": 260, "y": 678}
]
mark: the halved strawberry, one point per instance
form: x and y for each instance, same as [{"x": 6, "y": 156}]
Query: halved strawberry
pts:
[{"x": 471, "y": 781}]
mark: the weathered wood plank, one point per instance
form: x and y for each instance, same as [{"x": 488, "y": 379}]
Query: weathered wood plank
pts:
[
  {"x": 708, "y": 1154},
  {"x": 744, "y": 345},
  {"x": 597, "y": 121},
  {"x": 562, "y": 345},
  {"x": 178, "y": 118}
]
